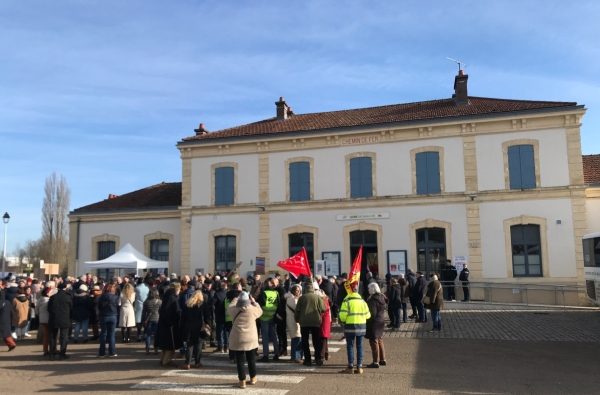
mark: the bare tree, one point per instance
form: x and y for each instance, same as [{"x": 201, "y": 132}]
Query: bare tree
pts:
[{"x": 55, "y": 223}]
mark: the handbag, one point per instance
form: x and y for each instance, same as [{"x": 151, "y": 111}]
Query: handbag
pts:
[
  {"x": 426, "y": 300},
  {"x": 205, "y": 331}
]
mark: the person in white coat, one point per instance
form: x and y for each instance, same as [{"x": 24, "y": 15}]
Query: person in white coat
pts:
[
  {"x": 126, "y": 312},
  {"x": 291, "y": 299}
]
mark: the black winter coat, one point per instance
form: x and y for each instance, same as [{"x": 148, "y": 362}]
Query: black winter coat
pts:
[
  {"x": 412, "y": 281},
  {"x": 420, "y": 288},
  {"x": 94, "y": 312},
  {"x": 395, "y": 296},
  {"x": 5, "y": 321},
  {"x": 192, "y": 321},
  {"x": 10, "y": 294},
  {"x": 375, "y": 324},
  {"x": 60, "y": 308},
  {"x": 108, "y": 305},
  {"x": 82, "y": 306},
  {"x": 168, "y": 333},
  {"x": 219, "y": 305},
  {"x": 327, "y": 287}
]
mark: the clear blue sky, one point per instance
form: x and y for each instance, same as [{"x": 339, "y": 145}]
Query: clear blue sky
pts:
[{"x": 101, "y": 91}]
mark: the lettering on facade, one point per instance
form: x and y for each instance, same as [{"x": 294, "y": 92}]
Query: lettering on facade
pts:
[
  {"x": 361, "y": 140},
  {"x": 350, "y": 217}
]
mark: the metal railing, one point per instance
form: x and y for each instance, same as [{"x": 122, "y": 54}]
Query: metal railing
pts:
[{"x": 519, "y": 293}]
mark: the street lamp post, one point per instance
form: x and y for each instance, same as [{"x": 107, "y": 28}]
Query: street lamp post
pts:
[{"x": 5, "y": 218}]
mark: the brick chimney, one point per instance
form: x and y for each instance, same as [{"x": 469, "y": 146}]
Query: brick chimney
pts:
[
  {"x": 282, "y": 108},
  {"x": 200, "y": 131},
  {"x": 460, "y": 89},
  {"x": 111, "y": 196}
]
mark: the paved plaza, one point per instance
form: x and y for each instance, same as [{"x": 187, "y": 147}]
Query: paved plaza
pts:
[{"x": 548, "y": 352}]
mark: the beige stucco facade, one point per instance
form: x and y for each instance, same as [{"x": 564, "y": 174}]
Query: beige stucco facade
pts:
[{"x": 475, "y": 206}]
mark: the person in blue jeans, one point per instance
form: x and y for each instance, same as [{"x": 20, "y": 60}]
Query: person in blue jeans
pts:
[
  {"x": 269, "y": 300},
  {"x": 150, "y": 317},
  {"x": 435, "y": 302},
  {"x": 82, "y": 310},
  {"x": 108, "y": 307}
]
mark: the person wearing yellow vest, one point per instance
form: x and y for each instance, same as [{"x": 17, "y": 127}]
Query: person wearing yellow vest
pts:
[
  {"x": 269, "y": 299},
  {"x": 354, "y": 313}
]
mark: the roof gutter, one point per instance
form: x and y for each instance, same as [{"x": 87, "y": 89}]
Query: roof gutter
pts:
[
  {"x": 123, "y": 210},
  {"x": 347, "y": 129}
]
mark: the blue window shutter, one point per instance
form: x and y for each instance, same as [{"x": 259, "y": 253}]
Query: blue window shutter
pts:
[
  {"x": 294, "y": 192},
  {"x": 355, "y": 178},
  {"x": 421, "y": 166},
  {"x": 527, "y": 167},
  {"x": 224, "y": 186},
  {"x": 304, "y": 180},
  {"x": 366, "y": 177},
  {"x": 433, "y": 172},
  {"x": 514, "y": 167},
  {"x": 229, "y": 185}
]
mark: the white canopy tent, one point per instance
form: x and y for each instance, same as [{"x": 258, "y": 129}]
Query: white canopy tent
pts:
[{"x": 127, "y": 258}]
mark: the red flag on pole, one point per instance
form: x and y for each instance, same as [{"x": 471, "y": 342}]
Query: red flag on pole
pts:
[
  {"x": 297, "y": 265},
  {"x": 354, "y": 276}
]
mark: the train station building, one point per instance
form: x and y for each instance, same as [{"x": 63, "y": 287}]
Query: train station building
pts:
[{"x": 495, "y": 183}]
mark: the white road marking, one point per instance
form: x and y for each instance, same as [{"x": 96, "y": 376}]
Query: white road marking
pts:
[
  {"x": 205, "y": 389},
  {"x": 232, "y": 377},
  {"x": 272, "y": 365}
]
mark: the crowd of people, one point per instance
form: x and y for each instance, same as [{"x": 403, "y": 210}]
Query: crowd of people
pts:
[{"x": 186, "y": 314}]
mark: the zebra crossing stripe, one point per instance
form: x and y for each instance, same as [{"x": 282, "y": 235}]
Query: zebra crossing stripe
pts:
[
  {"x": 270, "y": 365},
  {"x": 205, "y": 389},
  {"x": 232, "y": 377}
]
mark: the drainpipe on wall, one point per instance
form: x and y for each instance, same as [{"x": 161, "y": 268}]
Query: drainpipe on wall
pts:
[{"x": 77, "y": 245}]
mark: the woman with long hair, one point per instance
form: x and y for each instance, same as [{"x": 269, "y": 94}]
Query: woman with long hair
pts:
[
  {"x": 195, "y": 314},
  {"x": 244, "y": 312},
  {"x": 41, "y": 310},
  {"x": 150, "y": 315},
  {"x": 108, "y": 306},
  {"x": 127, "y": 313}
]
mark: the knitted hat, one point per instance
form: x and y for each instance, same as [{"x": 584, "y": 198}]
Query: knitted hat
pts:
[
  {"x": 83, "y": 287},
  {"x": 243, "y": 299},
  {"x": 96, "y": 288}
]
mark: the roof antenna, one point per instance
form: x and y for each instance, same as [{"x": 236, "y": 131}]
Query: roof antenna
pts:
[{"x": 459, "y": 63}]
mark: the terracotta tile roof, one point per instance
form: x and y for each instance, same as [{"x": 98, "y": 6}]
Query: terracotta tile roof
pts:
[
  {"x": 165, "y": 194},
  {"x": 591, "y": 168},
  {"x": 444, "y": 108}
]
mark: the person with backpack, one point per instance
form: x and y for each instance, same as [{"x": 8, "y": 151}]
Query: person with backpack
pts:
[{"x": 268, "y": 300}]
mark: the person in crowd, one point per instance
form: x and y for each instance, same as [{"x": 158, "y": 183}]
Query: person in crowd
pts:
[
  {"x": 333, "y": 301},
  {"x": 354, "y": 313},
  {"x": 108, "y": 307},
  {"x": 32, "y": 293},
  {"x": 60, "y": 309},
  {"x": 195, "y": 315},
  {"x": 209, "y": 292},
  {"x": 434, "y": 299},
  {"x": 464, "y": 278},
  {"x": 5, "y": 319},
  {"x": 418, "y": 293},
  {"x": 219, "y": 310},
  {"x": 21, "y": 313},
  {"x": 293, "y": 328},
  {"x": 236, "y": 289},
  {"x": 82, "y": 311},
  {"x": 448, "y": 277},
  {"x": 168, "y": 334},
  {"x": 309, "y": 313},
  {"x": 141, "y": 293},
  {"x": 368, "y": 280},
  {"x": 244, "y": 312},
  {"x": 41, "y": 310},
  {"x": 375, "y": 325},
  {"x": 150, "y": 315},
  {"x": 325, "y": 286},
  {"x": 10, "y": 295},
  {"x": 411, "y": 281},
  {"x": 94, "y": 320},
  {"x": 81, "y": 281},
  {"x": 325, "y": 327},
  {"x": 182, "y": 299},
  {"x": 126, "y": 312},
  {"x": 394, "y": 295},
  {"x": 268, "y": 299},
  {"x": 280, "y": 318},
  {"x": 405, "y": 297}
]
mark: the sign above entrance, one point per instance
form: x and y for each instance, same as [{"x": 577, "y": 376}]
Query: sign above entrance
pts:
[
  {"x": 359, "y": 140},
  {"x": 350, "y": 217}
]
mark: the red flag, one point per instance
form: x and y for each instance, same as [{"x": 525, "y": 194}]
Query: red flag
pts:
[
  {"x": 297, "y": 265},
  {"x": 354, "y": 276}
]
